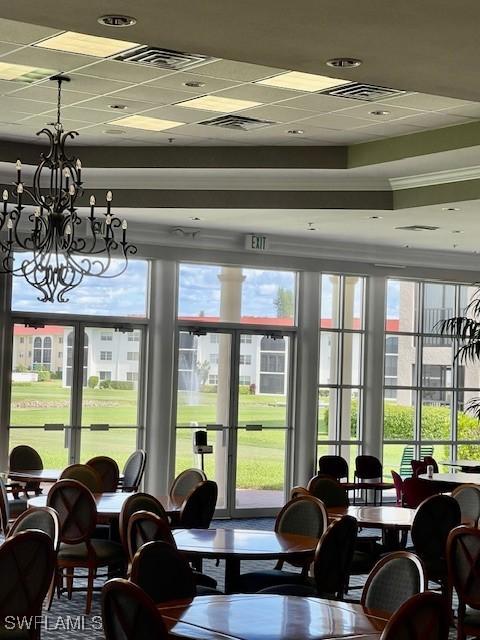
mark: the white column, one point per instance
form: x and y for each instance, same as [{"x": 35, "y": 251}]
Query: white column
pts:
[
  {"x": 5, "y": 367},
  {"x": 305, "y": 434},
  {"x": 373, "y": 405},
  {"x": 160, "y": 381}
]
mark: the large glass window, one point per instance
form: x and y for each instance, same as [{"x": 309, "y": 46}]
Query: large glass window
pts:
[{"x": 424, "y": 386}]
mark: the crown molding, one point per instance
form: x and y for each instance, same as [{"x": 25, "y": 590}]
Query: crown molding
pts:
[{"x": 435, "y": 178}]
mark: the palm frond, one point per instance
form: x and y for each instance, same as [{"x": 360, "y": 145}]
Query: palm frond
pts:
[
  {"x": 473, "y": 306},
  {"x": 469, "y": 352},
  {"x": 459, "y": 327},
  {"x": 473, "y": 407}
]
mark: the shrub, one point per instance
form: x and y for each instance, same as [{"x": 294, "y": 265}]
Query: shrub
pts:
[
  {"x": 125, "y": 385},
  {"x": 208, "y": 388},
  {"x": 105, "y": 384},
  {"x": 92, "y": 382},
  {"x": 43, "y": 376},
  {"x": 244, "y": 389}
]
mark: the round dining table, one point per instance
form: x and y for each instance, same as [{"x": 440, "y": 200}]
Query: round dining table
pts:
[
  {"x": 35, "y": 475},
  {"x": 270, "y": 617},
  {"x": 448, "y": 481},
  {"x": 235, "y": 545},
  {"x": 468, "y": 466}
]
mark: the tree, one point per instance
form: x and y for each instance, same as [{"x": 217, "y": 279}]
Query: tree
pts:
[
  {"x": 284, "y": 303},
  {"x": 202, "y": 369},
  {"x": 467, "y": 329}
]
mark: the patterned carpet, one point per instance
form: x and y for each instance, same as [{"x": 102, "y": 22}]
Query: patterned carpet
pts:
[{"x": 66, "y": 621}]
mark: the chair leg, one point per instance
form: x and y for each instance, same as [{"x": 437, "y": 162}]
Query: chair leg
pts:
[
  {"x": 90, "y": 579},
  {"x": 69, "y": 578},
  {"x": 51, "y": 590}
]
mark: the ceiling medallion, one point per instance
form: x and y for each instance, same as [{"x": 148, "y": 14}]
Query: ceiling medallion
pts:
[{"x": 46, "y": 247}]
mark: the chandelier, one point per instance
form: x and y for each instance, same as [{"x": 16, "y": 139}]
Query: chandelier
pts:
[{"x": 51, "y": 252}]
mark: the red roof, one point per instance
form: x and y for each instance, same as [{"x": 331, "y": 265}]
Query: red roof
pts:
[{"x": 50, "y": 330}]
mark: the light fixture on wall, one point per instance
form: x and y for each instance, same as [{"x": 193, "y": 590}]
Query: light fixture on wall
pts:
[{"x": 51, "y": 253}]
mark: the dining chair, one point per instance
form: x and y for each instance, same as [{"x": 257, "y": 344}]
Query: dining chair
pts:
[
  {"x": 416, "y": 490},
  {"x": 463, "y": 558},
  {"x": 84, "y": 474},
  {"x": 165, "y": 574},
  {"x": 468, "y": 498},
  {"x": 128, "y": 613},
  {"x": 329, "y": 491},
  {"x": 334, "y": 466},
  {"x": 108, "y": 471},
  {"x": 185, "y": 482},
  {"x": 302, "y": 516},
  {"x": 27, "y": 565},
  {"x": 398, "y": 484},
  {"x": 133, "y": 471},
  {"x": 137, "y": 502},
  {"x": 431, "y": 461},
  {"x": 198, "y": 507},
  {"x": 393, "y": 580},
  {"x": 369, "y": 476},
  {"x": 77, "y": 512},
  {"x": 434, "y": 518},
  {"x": 424, "y": 615},
  {"x": 25, "y": 458},
  {"x": 419, "y": 467},
  {"x": 331, "y": 565},
  {"x": 9, "y": 509},
  {"x": 296, "y": 492}
]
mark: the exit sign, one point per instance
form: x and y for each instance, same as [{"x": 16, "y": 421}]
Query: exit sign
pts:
[{"x": 256, "y": 243}]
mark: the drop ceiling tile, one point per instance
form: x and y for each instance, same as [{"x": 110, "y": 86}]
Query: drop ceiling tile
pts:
[
  {"x": 365, "y": 111},
  {"x": 425, "y": 102},
  {"x": 152, "y": 94},
  {"x": 46, "y": 59},
  {"x": 98, "y": 130},
  {"x": 83, "y": 115},
  {"x": 123, "y": 71},
  {"x": 319, "y": 103},
  {"x": 46, "y": 92},
  {"x": 35, "y": 123},
  {"x": 7, "y": 48},
  {"x": 177, "y": 81},
  {"x": 180, "y": 114},
  {"x": 470, "y": 110},
  {"x": 22, "y": 33},
  {"x": 204, "y": 131},
  {"x": 433, "y": 120},
  {"x": 390, "y": 129},
  {"x": 12, "y": 104},
  {"x": 102, "y": 103},
  {"x": 334, "y": 121},
  {"x": 95, "y": 86},
  {"x": 11, "y": 117},
  {"x": 257, "y": 93},
  {"x": 277, "y": 113},
  {"x": 240, "y": 71},
  {"x": 349, "y": 137},
  {"x": 7, "y": 86}
]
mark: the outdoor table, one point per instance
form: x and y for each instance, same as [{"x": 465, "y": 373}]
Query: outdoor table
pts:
[
  {"x": 235, "y": 545},
  {"x": 270, "y": 617}
]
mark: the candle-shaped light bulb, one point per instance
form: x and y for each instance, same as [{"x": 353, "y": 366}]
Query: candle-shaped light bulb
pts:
[
  {"x": 108, "y": 219},
  {"x": 37, "y": 212},
  {"x": 78, "y": 164},
  {"x": 109, "y": 196},
  {"x": 20, "y": 187},
  {"x": 68, "y": 230},
  {"x": 92, "y": 201},
  {"x": 71, "y": 190},
  {"x": 124, "y": 225},
  {"x": 18, "y": 165},
  {"x": 5, "y": 195},
  {"x": 9, "y": 224},
  {"x": 66, "y": 173}
]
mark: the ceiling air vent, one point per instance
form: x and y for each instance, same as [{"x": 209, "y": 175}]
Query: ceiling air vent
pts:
[
  {"x": 238, "y": 123},
  {"x": 360, "y": 91},
  {"x": 418, "y": 227},
  {"x": 163, "y": 58}
]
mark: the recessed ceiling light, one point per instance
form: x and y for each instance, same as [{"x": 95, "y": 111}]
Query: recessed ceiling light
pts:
[
  {"x": 451, "y": 209},
  {"x": 218, "y": 103},
  {"x": 458, "y": 231},
  {"x": 296, "y": 132},
  {"x": 195, "y": 219},
  {"x": 375, "y": 217},
  {"x": 311, "y": 227},
  {"x": 146, "y": 123},
  {"x": 23, "y": 73},
  {"x": 194, "y": 83},
  {"x": 119, "y": 107},
  {"x": 343, "y": 63},
  {"x": 88, "y": 45},
  {"x": 302, "y": 81},
  {"x": 406, "y": 246},
  {"x": 117, "y": 21},
  {"x": 379, "y": 113}
]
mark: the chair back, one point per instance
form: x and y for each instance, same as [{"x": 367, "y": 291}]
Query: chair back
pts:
[
  {"x": 434, "y": 518},
  {"x": 398, "y": 484},
  {"x": 40, "y": 518},
  {"x": 27, "y": 563},
  {"x": 334, "y": 466},
  {"x": 133, "y": 470},
  {"x": 198, "y": 508},
  {"x": 415, "y": 491},
  {"x": 84, "y": 474},
  {"x": 468, "y": 498},
  {"x": 295, "y": 492},
  {"x": 4, "y": 509},
  {"x": 108, "y": 471},
  {"x": 162, "y": 572},
  {"x": 128, "y": 613},
  {"x": 463, "y": 558},
  {"x": 419, "y": 467},
  {"x": 407, "y": 456},
  {"x": 393, "y": 580},
  {"x": 431, "y": 461},
  {"x": 144, "y": 527},
  {"x": 137, "y": 502},
  {"x": 368, "y": 468},
  {"x": 329, "y": 491},
  {"x": 24, "y": 457},
  {"x": 425, "y": 615},
  {"x": 76, "y": 508},
  {"x": 185, "y": 482},
  {"x": 303, "y": 516},
  {"x": 333, "y": 558}
]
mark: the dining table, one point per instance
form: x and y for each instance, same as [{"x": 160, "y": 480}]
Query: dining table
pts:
[
  {"x": 448, "y": 481},
  {"x": 235, "y": 545},
  {"x": 467, "y": 466},
  {"x": 35, "y": 475},
  {"x": 393, "y": 521},
  {"x": 270, "y": 617}
]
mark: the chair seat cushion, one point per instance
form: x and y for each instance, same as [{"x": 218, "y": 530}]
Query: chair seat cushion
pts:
[
  {"x": 107, "y": 552},
  {"x": 17, "y": 506},
  {"x": 204, "y": 580},
  {"x": 257, "y": 580},
  {"x": 207, "y": 591},
  {"x": 472, "y": 617},
  {"x": 362, "y": 563}
]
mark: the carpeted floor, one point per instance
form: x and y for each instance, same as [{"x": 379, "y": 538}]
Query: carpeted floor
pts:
[{"x": 66, "y": 621}]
